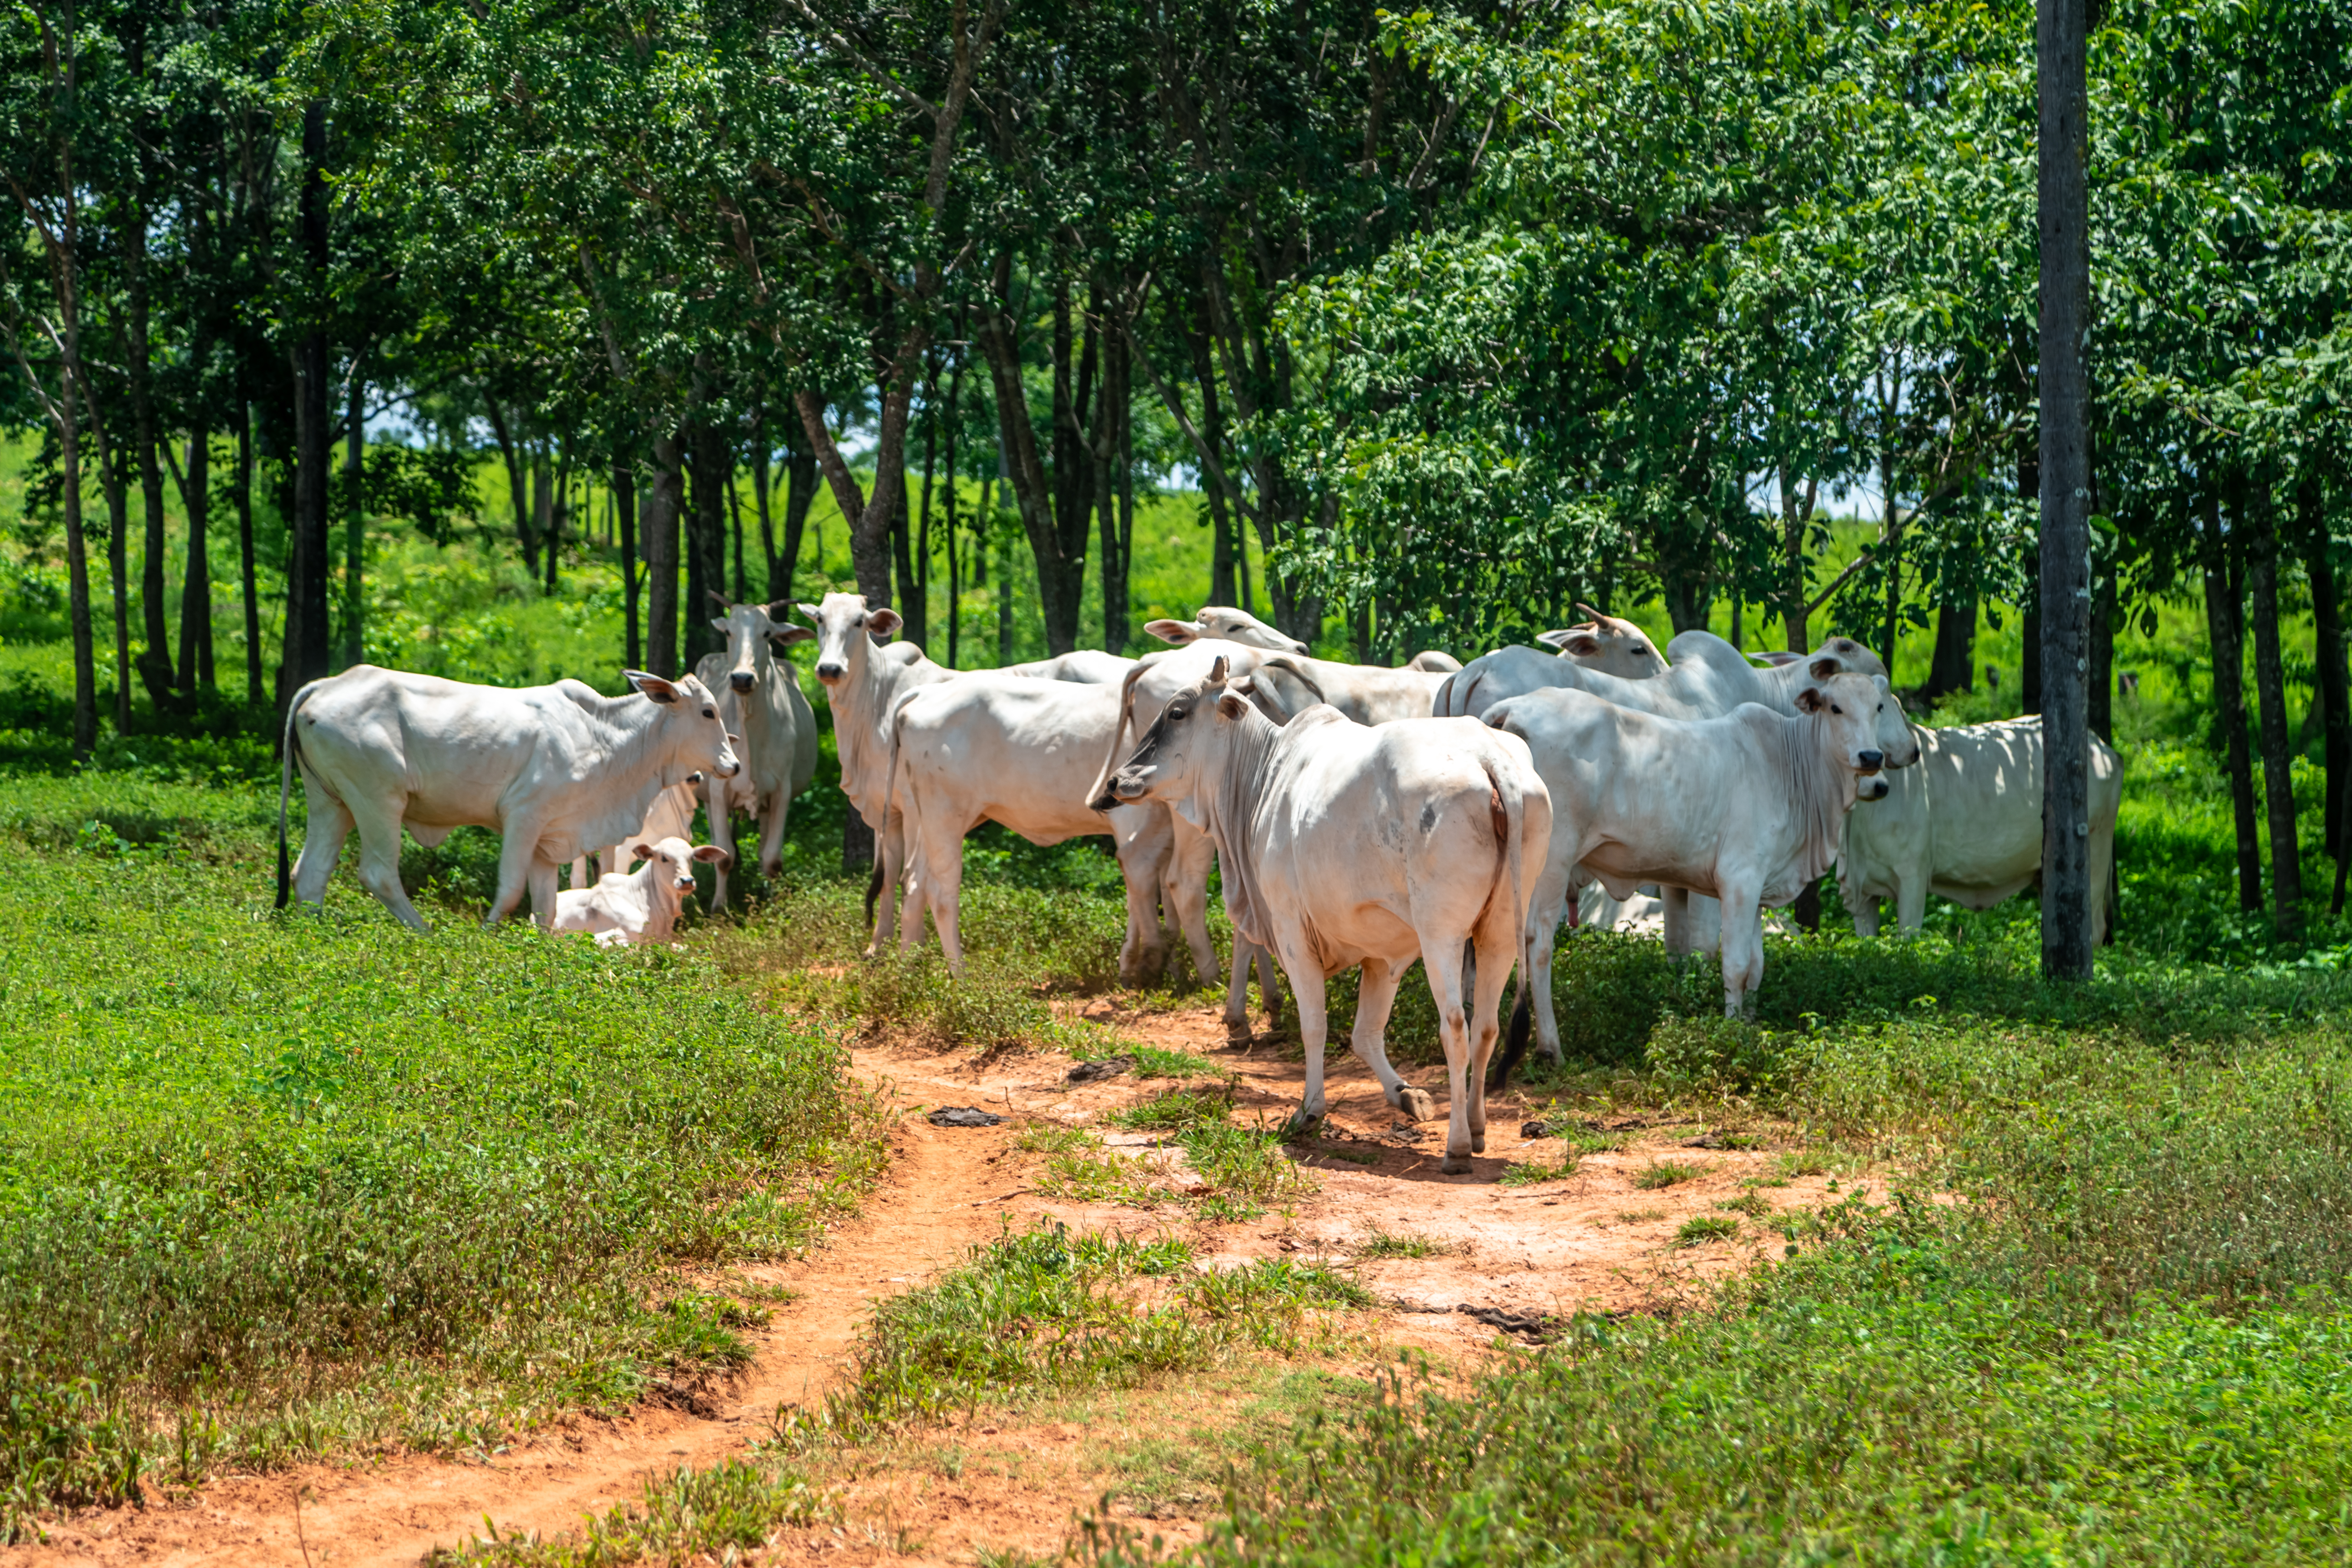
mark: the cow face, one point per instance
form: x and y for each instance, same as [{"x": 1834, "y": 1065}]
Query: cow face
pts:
[
  {"x": 1232, "y": 624},
  {"x": 1846, "y": 712},
  {"x": 846, "y": 630},
  {"x": 1181, "y": 746},
  {"x": 749, "y": 628},
  {"x": 704, "y": 742},
  {"x": 669, "y": 866},
  {"x": 1607, "y": 643}
]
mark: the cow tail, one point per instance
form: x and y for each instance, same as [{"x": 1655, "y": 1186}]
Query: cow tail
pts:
[
  {"x": 289, "y": 747},
  {"x": 1508, "y": 809},
  {"x": 889, "y": 791}
]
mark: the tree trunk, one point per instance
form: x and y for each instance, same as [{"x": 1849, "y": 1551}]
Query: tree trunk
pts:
[
  {"x": 77, "y": 606},
  {"x": 1224, "y": 585},
  {"x": 735, "y": 526},
  {"x": 558, "y": 513},
  {"x": 705, "y": 540},
  {"x": 2334, "y": 679},
  {"x": 308, "y": 650},
  {"x": 1891, "y": 529},
  {"x": 902, "y": 565},
  {"x": 247, "y": 571},
  {"x": 664, "y": 501},
  {"x": 1794, "y": 515},
  {"x": 155, "y": 661},
  {"x": 354, "y": 521},
  {"x": 2269, "y": 686},
  {"x": 2065, "y": 487},
  {"x": 2101, "y": 703},
  {"x": 625, "y": 511},
  {"x": 1061, "y": 559},
  {"x": 779, "y": 574},
  {"x": 513, "y": 457},
  {"x": 955, "y": 540},
  {"x": 800, "y": 494},
  {"x": 1110, "y": 446},
  {"x": 196, "y": 583},
  {"x": 118, "y": 564},
  {"x": 1952, "y": 667},
  {"x": 2221, "y": 626}
]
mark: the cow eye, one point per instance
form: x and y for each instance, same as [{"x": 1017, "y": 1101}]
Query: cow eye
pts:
[
  {"x": 1177, "y": 714},
  {"x": 710, "y": 712},
  {"x": 1836, "y": 708}
]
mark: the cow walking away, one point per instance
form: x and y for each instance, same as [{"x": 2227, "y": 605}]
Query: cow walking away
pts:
[
  {"x": 556, "y": 770},
  {"x": 1747, "y": 809},
  {"x": 1345, "y": 844}
]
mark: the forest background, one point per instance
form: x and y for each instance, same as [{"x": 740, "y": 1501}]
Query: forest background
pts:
[{"x": 493, "y": 339}]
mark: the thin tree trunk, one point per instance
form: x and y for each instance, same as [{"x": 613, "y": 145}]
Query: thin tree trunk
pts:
[
  {"x": 2269, "y": 686},
  {"x": 1125, "y": 498},
  {"x": 196, "y": 583},
  {"x": 1226, "y": 584},
  {"x": 247, "y": 569},
  {"x": 902, "y": 563},
  {"x": 2101, "y": 701},
  {"x": 706, "y": 538},
  {"x": 1108, "y": 445},
  {"x": 800, "y": 494},
  {"x": 2334, "y": 680},
  {"x": 778, "y": 577},
  {"x": 625, "y": 513},
  {"x": 2221, "y": 626},
  {"x": 1890, "y": 396},
  {"x": 307, "y": 647},
  {"x": 155, "y": 661},
  {"x": 118, "y": 564},
  {"x": 512, "y": 455},
  {"x": 735, "y": 523},
  {"x": 955, "y": 540},
  {"x": 559, "y": 515},
  {"x": 663, "y": 503},
  {"x": 1060, "y": 558},
  {"x": 354, "y": 520},
  {"x": 1794, "y": 516}
]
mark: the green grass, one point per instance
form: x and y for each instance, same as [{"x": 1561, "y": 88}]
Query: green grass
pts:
[
  {"x": 1666, "y": 1173},
  {"x": 1235, "y": 1171},
  {"x": 1378, "y": 1243},
  {"x": 273, "y": 1187},
  {"x": 1533, "y": 1172},
  {"x": 1702, "y": 1228},
  {"x": 1045, "y": 1313},
  {"x": 683, "y": 1516}
]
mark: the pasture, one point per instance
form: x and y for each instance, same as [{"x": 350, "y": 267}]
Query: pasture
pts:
[{"x": 651, "y": 1254}]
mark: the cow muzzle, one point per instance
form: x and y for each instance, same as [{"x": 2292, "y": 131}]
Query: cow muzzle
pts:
[
  {"x": 1871, "y": 761},
  {"x": 740, "y": 679},
  {"x": 1874, "y": 787},
  {"x": 829, "y": 670},
  {"x": 684, "y": 884}
]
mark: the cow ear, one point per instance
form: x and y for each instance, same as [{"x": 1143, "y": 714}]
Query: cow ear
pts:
[
  {"x": 1232, "y": 705},
  {"x": 719, "y": 623},
  {"x": 1217, "y": 671},
  {"x": 1811, "y": 701},
  {"x": 1177, "y": 632},
  {"x": 694, "y": 778},
  {"x": 711, "y": 852},
  {"x": 1556, "y": 636},
  {"x": 641, "y": 852},
  {"x": 786, "y": 635},
  {"x": 810, "y": 611},
  {"x": 883, "y": 622},
  {"x": 653, "y": 686},
  {"x": 1822, "y": 669},
  {"x": 1583, "y": 644}
]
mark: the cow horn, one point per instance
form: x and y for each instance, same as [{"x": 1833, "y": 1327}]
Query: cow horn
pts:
[{"x": 720, "y": 599}]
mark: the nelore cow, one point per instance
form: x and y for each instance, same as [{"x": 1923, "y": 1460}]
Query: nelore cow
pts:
[
  {"x": 1221, "y": 623},
  {"x": 1966, "y": 825},
  {"x": 778, "y": 728},
  {"x": 1345, "y": 845},
  {"x": 1608, "y": 644},
  {"x": 556, "y": 770},
  {"x": 988, "y": 746},
  {"x": 862, "y": 684},
  {"x": 629, "y": 908},
  {"x": 1747, "y": 809}
]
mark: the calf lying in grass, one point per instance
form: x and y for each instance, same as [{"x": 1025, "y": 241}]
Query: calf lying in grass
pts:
[{"x": 640, "y": 906}]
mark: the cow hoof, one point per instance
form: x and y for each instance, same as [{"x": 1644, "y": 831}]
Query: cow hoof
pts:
[
  {"x": 1477, "y": 1143},
  {"x": 1454, "y": 1165},
  {"x": 1301, "y": 1127},
  {"x": 1239, "y": 1036},
  {"x": 1417, "y": 1105}
]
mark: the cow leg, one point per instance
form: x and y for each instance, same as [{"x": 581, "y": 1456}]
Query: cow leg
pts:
[
  {"x": 937, "y": 883},
  {"x": 1314, "y": 1024},
  {"x": 2103, "y": 861},
  {"x": 1441, "y": 961},
  {"x": 1742, "y": 950},
  {"x": 1864, "y": 907},
  {"x": 890, "y": 853},
  {"x": 1184, "y": 894},
  {"x": 380, "y": 866},
  {"x": 1677, "y": 920},
  {"x": 328, "y": 822},
  {"x": 721, "y": 812},
  {"x": 1143, "y": 956},
  {"x": 772, "y": 831},
  {"x": 1911, "y": 903},
  {"x": 1375, "y": 996},
  {"x": 1238, "y": 1023},
  {"x": 1269, "y": 984},
  {"x": 1495, "y": 938},
  {"x": 517, "y": 850},
  {"x": 542, "y": 891}
]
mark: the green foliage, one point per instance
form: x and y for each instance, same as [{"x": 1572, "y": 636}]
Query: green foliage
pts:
[{"x": 683, "y": 1516}]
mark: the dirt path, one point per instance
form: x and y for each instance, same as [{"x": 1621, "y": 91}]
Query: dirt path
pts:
[{"x": 1592, "y": 1241}]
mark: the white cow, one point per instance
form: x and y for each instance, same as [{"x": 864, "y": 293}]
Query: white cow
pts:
[
  {"x": 1607, "y": 643},
  {"x": 779, "y": 731},
  {"x": 1344, "y": 843},
  {"x": 555, "y": 769},
  {"x": 1224, "y": 624},
  {"x": 1966, "y": 825},
  {"x": 624, "y": 909},
  {"x": 671, "y": 816},
  {"x": 1708, "y": 678},
  {"x": 862, "y": 684},
  {"x": 989, "y": 746},
  {"x": 1086, "y": 665},
  {"x": 1745, "y": 808},
  {"x": 1287, "y": 683}
]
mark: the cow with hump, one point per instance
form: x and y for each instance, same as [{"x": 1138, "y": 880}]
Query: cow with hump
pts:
[
  {"x": 555, "y": 770},
  {"x": 1345, "y": 845},
  {"x": 1747, "y": 809},
  {"x": 778, "y": 729}
]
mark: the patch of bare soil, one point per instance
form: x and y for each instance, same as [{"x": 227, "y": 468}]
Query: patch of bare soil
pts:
[{"x": 1592, "y": 1241}]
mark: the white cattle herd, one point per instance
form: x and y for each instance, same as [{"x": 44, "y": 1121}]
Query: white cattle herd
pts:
[{"x": 1362, "y": 817}]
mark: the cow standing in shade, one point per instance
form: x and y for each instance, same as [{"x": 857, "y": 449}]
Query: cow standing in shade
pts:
[
  {"x": 1747, "y": 809},
  {"x": 1966, "y": 825},
  {"x": 556, "y": 770},
  {"x": 1349, "y": 845}
]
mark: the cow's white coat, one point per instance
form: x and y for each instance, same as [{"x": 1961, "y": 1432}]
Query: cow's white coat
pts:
[{"x": 641, "y": 906}]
